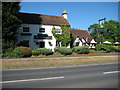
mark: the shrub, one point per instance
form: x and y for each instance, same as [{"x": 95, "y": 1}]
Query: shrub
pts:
[
  {"x": 117, "y": 48},
  {"x": 92, "y": 50},
  {"x": 8, "y": 50},
  {"x": 107, "y": 48},
  {"x": 64, "y": 50},
  {"x": 35, "y": 52},
  {"x": 10, "y": 54},
  {"x": 45, "y": 51},
  {"x": 23, "y": 51},
  {"x": 101, "y": 47},
  {"x": 110, "y": 48},
  {"x": 56, "y": 49},
  {"x": 81, "y": 50}
]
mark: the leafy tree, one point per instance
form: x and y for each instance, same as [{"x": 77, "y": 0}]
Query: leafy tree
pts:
[
  {"x": 94, "y": 29},
  {"x": 65, "y": 37},
  {"x": 110, "y": 31},
  {"x": 10, "y": 23},
  {"x": 100, "y": 39},
  {"x": 57, "y": 36},
  {"x": 113, "y": 31}
]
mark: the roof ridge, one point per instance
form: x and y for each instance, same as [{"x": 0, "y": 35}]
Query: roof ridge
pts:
[
  {"x": 41, "y": 14},
  {"x": 79, "y": 30}
]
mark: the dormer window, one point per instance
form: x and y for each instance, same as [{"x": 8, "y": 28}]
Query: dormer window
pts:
[
  {"x": 58, "y": 31},
  {"x": 42, "y": 30},
  {"x": 26, "y": 29}
]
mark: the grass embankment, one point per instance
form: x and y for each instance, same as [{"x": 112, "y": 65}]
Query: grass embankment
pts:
[{"x": 55, "y": 62}]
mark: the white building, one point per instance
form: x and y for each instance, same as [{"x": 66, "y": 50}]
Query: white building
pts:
[
  {"x": 82, "y": 38},
  {"x": 36, "y": 30}
]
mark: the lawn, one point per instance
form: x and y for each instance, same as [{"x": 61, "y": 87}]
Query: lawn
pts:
[{"x": 56, "y": 62}]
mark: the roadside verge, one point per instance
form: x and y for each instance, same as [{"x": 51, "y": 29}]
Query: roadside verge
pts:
[{"x": 56, "y": 61}]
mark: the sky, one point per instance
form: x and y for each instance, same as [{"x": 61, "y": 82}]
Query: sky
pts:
[{"x": 80, "y": 14}]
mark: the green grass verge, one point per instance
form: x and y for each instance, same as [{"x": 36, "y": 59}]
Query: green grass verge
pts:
[{"x": 55, "y": 62}]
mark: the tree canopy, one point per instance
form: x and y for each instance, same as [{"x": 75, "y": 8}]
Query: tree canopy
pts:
[
  {"x": 64, "y": 38},
  {"x": 10, "y": 23},
  {"x": 110, "y": 31}
]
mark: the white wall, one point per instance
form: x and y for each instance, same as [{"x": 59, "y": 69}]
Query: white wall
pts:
[{"x": 34, "y": 29}]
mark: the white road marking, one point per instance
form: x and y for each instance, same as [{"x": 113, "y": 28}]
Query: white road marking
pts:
[
  {"x": 111, "y": 72},
  {"x": 51, "y": 78}
]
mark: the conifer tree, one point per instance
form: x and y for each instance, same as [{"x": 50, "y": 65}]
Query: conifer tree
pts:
[{"x": 10, "y": 23}]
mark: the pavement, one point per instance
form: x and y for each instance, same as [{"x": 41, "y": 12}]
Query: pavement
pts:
[{"x": 84, "y": 76}]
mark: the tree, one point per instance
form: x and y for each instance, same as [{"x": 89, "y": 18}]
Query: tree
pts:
[
  {"x": 113, "y": 31},
  {"x": 100, "y": 39},
  {"x": 94, "y": 29},
  {"x": 110, "y": 31},
  {"x": 10, "y": 23},
  {"x": 65, "y": 37}
]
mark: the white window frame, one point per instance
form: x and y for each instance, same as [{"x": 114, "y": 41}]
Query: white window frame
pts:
[{"x": 58, "y": 31}]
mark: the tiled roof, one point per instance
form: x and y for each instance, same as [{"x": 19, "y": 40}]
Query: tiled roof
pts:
[
  {"x": 30, "y": 18},
  {"x": 81, "y": 33}
]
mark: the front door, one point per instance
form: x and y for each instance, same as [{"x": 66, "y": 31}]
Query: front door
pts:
[{"x": 41, "y": 44}]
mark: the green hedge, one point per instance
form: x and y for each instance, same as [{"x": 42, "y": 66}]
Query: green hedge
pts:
[
  {"x": 63, "y": 50},
  {"x": 81, "y": 50},
  {"x": 10, "y": 54},
  {"x": 107, "y": 48},
  {"x": 117, "y": 48},
  {"x": 36, "y": 52},
  {"x": 22, "y": 52},
  {"x": 45, "y": 51},
  {"x": 18, "y": 52},
  {"x": 101, "y": 47}
]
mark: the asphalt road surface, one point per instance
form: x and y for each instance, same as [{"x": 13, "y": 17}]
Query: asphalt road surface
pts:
[{"x": 85, "y": 76}]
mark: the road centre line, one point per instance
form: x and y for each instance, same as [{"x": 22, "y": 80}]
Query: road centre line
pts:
[
  {"x": 111, "y": 72},
  {"x": 39, "y": 79}
]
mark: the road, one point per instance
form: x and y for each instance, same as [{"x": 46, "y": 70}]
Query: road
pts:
[{"x": 84, "y": 76}]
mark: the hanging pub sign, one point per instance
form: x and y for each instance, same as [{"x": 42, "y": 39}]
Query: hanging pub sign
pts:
[{"x": 58, "y": 35}]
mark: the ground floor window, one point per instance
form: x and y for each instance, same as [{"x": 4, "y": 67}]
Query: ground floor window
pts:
[
  {"x": 57, "y": 43},
  {"x": 77, "y": 43},
  {"x": 41, "y": 44}
]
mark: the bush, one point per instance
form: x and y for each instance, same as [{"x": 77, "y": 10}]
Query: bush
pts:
[
  {"x": 64, "y": 50},
  {"x": 101, "y": 47},
  {"x": 56, "y": 49},
  {"x": 117, "y": 48},
  {"x": 92, "y": 51},
  {"x": 81, "y": 50},
  {"x": 10, "y": 54},
  {"x": 107, "y": 48},
  {"x": 8, "y": 50},
  {"x": 35, "y": 52},
  {"x": 110, "y": 49},
  {"x": 23, "y": 52},
  {"x": 45, "y": 51}
]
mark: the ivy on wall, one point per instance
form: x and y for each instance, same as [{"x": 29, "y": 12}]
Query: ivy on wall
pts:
[{"x": 64, "y": 38}]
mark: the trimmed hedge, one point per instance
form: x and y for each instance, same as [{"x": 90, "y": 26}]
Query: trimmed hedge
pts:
[
  {"x": 22, "y": 52},
  {"x": 101, "y": 47},
  {"x": 107, "y": 48},
  {"x": 117, "y": 48},
  {"x": 45, "y": 51},
  {"x": 10, "y": 54},
  {"x": 35, "y": 52},
  {"x": 81, "y": 50},
  {"x": 63, "y": 50}
]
